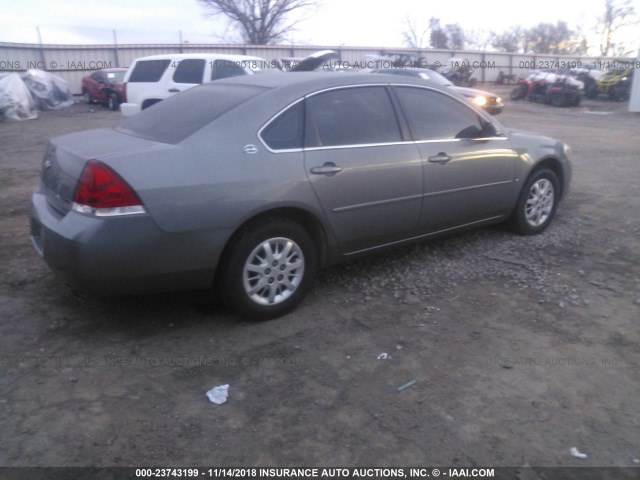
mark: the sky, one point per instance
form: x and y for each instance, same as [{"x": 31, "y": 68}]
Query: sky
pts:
[{"x": 334, "y": 23}]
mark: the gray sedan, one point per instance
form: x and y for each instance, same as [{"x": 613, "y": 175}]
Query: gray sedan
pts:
[{"x": 248, "y": 185}]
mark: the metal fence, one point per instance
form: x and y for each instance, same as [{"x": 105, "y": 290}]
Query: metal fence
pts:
[{"x": 72, "y": 62}]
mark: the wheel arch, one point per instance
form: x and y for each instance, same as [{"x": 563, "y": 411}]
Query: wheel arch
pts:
[
  {"x": 302, "y": 217},
  {"x": 553, "y": 164}
]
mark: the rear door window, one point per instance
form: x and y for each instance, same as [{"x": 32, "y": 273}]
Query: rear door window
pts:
[
  {"x": 190, "y": 70},
  {"x": 286, "y": 131},
  {"x": 149, "y": 70}
]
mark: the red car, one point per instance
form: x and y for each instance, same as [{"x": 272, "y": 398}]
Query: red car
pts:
[{"x": 105, "y": 86}]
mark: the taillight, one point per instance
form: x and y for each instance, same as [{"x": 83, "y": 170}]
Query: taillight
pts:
[{"x": 102, "y": 192}]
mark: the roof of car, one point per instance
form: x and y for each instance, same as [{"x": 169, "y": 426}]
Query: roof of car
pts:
[
  {"x": 409, "y": 69},
  {"x": 318, "y": 80},
  {"x": 199, "y": 55}
]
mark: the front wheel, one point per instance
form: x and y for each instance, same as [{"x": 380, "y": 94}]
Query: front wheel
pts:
[
  {"x": 519, "y": 92},
  {"x": 269, "y": 270},
  {"x": 86, "y": 96},
  {"x": 537, "y": 203}
]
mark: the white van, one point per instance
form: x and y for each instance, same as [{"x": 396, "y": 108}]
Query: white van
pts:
[{"x": 154, "y": 78}]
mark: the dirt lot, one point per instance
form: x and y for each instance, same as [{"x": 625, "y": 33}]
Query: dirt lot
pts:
[{"x": 521, "y": 347}]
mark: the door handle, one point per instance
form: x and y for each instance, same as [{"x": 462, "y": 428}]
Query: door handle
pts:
[
  {"x": 173, "y": 90},
  {"x": 328, "y": 168},
  {"x": 440, "y": 158}
]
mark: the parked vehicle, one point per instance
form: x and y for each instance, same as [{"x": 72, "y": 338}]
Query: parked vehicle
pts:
[
  {"x": 252, "y": 183},
  {"x": 559, "y": 90},
  {"x": 506, "y": 78},
  {"x": 459, "y": 72},
  {"x": 616, "y": 83},
  {"x": 105, "y": 86},
  {"x": 588, "y": 76},
  {"x": 152, "y": 79},
  {"x": 488, "y": 101}
]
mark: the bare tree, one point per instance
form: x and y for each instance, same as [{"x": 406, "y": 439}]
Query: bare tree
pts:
[
  {"x": 617, "y": 14},
  {"x": 477, "y": 39},
  {"x": 455, "y": 36},
  {"x": 547, "y": 38},
  {"x": 261, "y": 22},
  {"x": 438, "y": 37},
  {"x": 414, "y": 36},
  {"x": 514, "y": 40},
  {"x": 550, "y": 38}
]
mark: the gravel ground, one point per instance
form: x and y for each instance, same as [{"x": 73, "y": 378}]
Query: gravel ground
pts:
[{"x": 521, "y": 347}]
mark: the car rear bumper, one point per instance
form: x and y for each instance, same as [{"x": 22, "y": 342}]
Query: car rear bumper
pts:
[
  {"x": 128, "y": 254},
  {"x": 129, "y": 109}
]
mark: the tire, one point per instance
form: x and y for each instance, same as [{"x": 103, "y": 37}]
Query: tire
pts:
[
  {"x": 86, "y": 96},
  {"x": 252, "y": 287},
  {"x": 619, "y": 94},
  {"x": 519, "y": 92},
  {"x": 559, "y": 100},
  {"x": 575, "y": 101},
  {"x": 537, "y": 203},
  {"x": 113, "y": 102},
  {"x": 591, "y": 91}
]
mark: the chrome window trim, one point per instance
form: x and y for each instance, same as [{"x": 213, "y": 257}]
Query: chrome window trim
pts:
[
  {"x": 270, "y": 121},
  {"x": 499, "y": 135}
]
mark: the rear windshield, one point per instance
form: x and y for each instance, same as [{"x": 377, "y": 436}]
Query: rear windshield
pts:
[
  {"x": 148, "y": 70},
  {"x": 116, "y": 77},
  {"x": 174, "y": 119}
]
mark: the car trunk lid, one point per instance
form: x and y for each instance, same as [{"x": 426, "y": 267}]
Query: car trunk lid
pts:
[{"x": 66, "y": 157}]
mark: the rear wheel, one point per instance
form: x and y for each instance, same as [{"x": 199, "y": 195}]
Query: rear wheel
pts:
[
  {"x": 537, "y": 203},
  {"x": 591, "y": 91},
  {"x": 113, "y": 102},
  {"x": 575, "y": 101},
  {"x": 559, "y": 99},
  {"x": 269, "y": 270}
]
